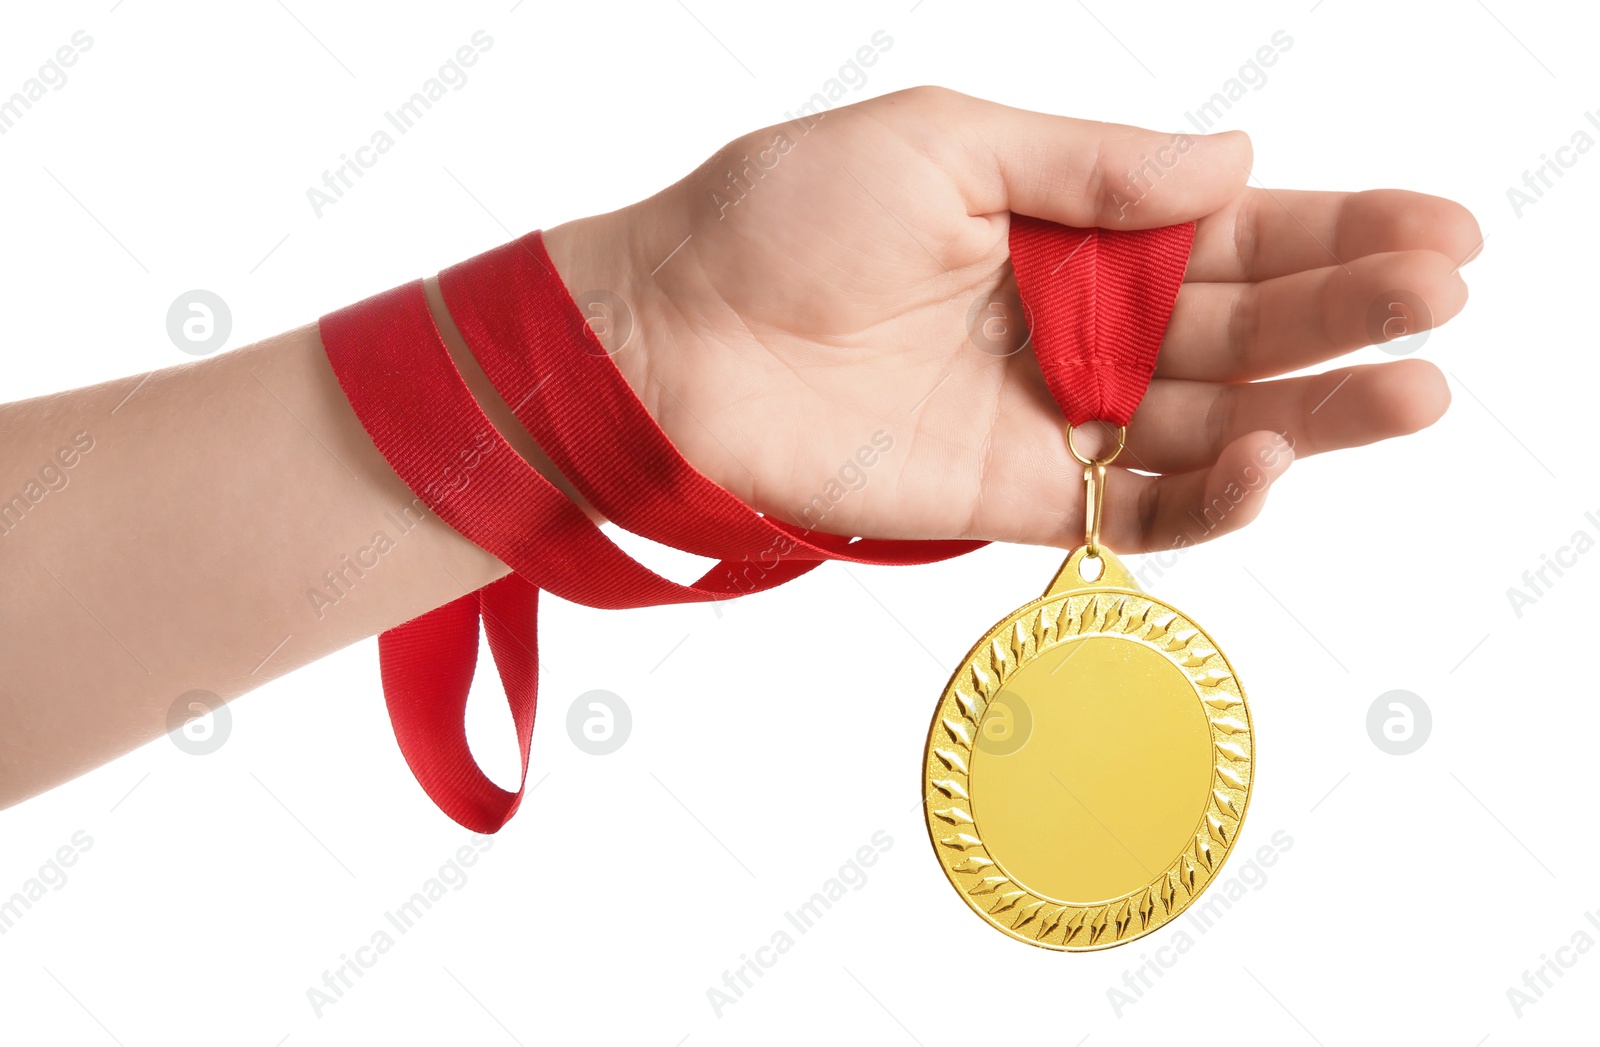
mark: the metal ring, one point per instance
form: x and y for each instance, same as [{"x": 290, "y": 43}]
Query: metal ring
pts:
[{"x": 1102, "y": 460}]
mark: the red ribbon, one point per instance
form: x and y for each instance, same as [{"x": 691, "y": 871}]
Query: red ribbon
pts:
[{"x": 1099, "y": 302}]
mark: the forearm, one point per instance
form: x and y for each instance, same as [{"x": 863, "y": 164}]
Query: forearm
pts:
[{"x": 228, "y": 522}]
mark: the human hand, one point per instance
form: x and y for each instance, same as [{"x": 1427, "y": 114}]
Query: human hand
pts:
[{"x": 839, "y": 294}]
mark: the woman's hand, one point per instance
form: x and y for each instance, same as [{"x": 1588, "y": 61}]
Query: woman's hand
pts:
[
  {"x": 845, "y": 304},
  {"x": 843, "y": 282}
]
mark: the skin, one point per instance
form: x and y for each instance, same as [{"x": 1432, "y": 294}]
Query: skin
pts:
[{"x": 772, "y": 337}]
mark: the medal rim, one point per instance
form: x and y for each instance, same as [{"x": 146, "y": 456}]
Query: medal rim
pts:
[{"x": 965, "y": 667}]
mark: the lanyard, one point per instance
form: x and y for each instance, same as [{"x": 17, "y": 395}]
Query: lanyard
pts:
[{"x": 1099, "y": 302}]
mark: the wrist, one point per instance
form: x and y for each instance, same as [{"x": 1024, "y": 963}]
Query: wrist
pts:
[{"x": 601, "y": 261}]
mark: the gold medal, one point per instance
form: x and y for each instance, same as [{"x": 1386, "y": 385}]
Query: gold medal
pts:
[{"x": 1089, "y": 764}]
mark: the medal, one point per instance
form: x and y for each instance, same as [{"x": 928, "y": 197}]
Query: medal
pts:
[{"x": 1089, "y": 763}]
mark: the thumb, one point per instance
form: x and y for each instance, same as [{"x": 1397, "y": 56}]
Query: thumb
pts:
[{"x": 1078, "y": 172}]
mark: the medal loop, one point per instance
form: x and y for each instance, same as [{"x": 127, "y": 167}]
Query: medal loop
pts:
[{"x": 1102, "y": 459}]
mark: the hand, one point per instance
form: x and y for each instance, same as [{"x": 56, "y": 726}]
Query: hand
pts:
[{"x": 781, "y": 324}]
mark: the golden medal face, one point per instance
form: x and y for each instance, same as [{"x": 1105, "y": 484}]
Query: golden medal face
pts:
[{"x": 1089, "y": 765}]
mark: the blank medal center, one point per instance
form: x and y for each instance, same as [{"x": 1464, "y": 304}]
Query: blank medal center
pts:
[{"x": 1091, "y": 770}]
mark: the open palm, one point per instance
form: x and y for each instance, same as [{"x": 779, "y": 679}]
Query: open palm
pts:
[{"x": 829, "y": 333}]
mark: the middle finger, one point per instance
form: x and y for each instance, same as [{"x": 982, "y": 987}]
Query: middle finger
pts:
[{"x": 1231, "y": 332}]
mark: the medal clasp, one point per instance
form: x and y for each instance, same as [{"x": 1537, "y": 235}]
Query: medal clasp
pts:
[{"x": 1094, "y": 482}]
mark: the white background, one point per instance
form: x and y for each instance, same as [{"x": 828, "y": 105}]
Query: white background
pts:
[{"x": 772, "y": 741}]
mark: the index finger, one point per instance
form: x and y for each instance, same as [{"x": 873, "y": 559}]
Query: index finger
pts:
[{"x": 1266, "y": 233}]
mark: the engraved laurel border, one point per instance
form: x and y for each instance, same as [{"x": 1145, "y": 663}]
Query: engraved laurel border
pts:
[{"x": 1027, "y": 633}]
